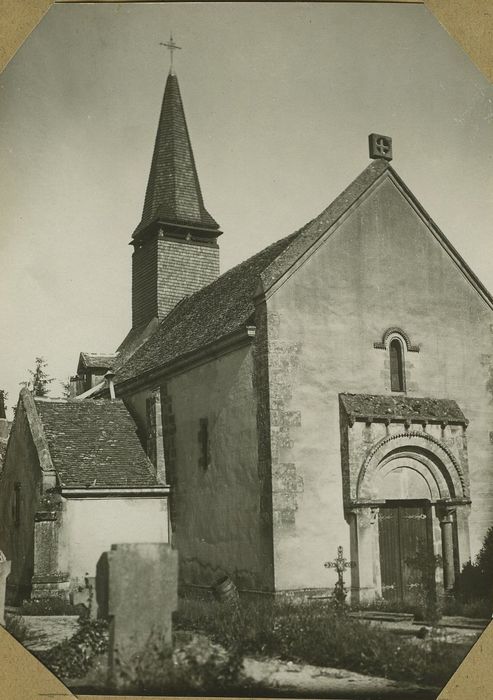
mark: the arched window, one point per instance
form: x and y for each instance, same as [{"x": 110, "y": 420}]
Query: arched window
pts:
[{"x": 396, "y": 365}]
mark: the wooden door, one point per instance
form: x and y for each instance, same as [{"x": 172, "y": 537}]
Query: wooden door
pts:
[{"x": 406, "y": 550}]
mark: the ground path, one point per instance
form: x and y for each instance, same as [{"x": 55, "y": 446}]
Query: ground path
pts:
[
  {"x": 45, "y": 631},
  {"x": 288, "y": 678}
]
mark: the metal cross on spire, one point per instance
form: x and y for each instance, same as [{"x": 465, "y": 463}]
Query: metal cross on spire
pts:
[{"x": 171, "y": 46}]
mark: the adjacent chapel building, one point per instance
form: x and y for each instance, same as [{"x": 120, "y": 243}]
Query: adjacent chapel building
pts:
[{"x": 335, "y": 389}]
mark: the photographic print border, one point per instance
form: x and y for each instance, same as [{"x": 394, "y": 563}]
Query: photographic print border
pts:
[{"x": 470, "y": 23}]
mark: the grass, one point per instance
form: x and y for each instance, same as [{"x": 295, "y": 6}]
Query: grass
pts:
[{"x": 317, "y": 633}]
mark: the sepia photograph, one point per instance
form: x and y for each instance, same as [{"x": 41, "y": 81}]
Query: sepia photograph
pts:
[{"x": 246, "y": 386}]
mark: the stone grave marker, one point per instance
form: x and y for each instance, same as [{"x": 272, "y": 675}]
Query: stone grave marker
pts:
[
  {"x": 136, "y": 588},
  {"x": 4, "y": 572}
]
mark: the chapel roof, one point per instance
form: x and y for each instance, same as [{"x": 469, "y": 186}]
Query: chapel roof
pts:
[
  {"x": 173, "y": 194},
  {"x": 216, "y": 310},
  {"x": 402, "y": 408},
  {"x": 94, "y": 444},
  {"x": 227, "y": 304},
  {"x": 94, "y": 360}
]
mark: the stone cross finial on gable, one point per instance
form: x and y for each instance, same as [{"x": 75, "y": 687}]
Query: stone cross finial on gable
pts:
[{"x": 380, "y": 146}]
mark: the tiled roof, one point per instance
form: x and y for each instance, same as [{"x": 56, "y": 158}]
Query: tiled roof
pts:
[
  {"x": 318, "y": 226},
  {"x": 226, "y": 304},
  {"x": 402, "y": 408},
  {"x": 211, "y": 313},
  {"x": 97, "y": 360},
  {"x": 173, "y": 192},
  {"x": 94, "y": 443}
]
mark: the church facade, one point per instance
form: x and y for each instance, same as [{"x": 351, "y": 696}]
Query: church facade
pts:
[{"x": 334, "y": 390}]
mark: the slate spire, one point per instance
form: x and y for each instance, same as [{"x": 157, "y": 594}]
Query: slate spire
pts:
[
  {"x": 173, "y": 194},
  {"x": 175, "y": 244}
]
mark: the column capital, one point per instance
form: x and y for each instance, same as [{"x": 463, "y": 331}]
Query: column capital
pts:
[
  {"x": 365, "y": 515},
  {"x": 445, "y": 512}
]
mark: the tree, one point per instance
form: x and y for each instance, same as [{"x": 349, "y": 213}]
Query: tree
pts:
[
  {"x": 66, "y": 389},
  {"x": 40, "y": 380},
  {"x": 3, "y": 400}
]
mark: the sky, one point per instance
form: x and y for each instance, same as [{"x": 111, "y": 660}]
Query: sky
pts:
[{"x": 279, "y": 100}]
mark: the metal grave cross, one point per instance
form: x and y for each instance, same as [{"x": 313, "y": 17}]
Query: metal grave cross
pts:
[
  {"x": 171, "y": 46},
  {"x": 340, "y": 563}
]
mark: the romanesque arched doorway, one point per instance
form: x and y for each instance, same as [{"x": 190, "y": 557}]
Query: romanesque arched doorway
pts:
[
  {"x": 414, "y": 486},
  {"x": 406, "y": 495}
]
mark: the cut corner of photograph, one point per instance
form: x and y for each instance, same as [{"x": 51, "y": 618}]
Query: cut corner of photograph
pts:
[{"x": 246, "y": 398}]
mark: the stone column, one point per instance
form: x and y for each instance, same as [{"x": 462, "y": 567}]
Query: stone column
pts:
[
  {"x": 446, "y": 516},
  {"x": 155, "y": 441},
  {"x": 364, "y": 552},
  {"x": 4, "y": 572}
]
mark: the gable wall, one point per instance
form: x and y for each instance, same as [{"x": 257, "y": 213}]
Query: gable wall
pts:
[
  {"x": 21, "y": 465},
  {"x": 380, "y": 268}
]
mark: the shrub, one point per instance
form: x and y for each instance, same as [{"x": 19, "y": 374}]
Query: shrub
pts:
[
  {"x": 195, "y": 665},
  {"x": 478, "y": 608},
  {"x": 73, "y": 657},
  {"x": 474, "y": 584}
]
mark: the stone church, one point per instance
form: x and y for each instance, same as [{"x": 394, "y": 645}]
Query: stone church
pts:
[{"x": 334, "y": 390}]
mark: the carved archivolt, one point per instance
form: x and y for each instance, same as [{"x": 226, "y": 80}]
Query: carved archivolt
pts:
[
  {"x": 439, "y": 459},
  {"x": 382, "y": 345}
]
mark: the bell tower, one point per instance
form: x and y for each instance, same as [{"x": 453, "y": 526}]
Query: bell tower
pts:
[{"x": 175, "y": 244}]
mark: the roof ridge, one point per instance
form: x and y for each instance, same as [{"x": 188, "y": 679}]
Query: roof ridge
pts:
[{"x": 315, "y": 228}]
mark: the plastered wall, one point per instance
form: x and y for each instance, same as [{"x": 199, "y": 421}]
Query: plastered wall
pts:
[
  {"x": 21, "y": 466},
  {"x": 92, "y": 525},
  {"x": 381, "y": 268}
]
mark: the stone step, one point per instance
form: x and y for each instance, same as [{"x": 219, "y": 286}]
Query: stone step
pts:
[{"x": 381, "y": 615}]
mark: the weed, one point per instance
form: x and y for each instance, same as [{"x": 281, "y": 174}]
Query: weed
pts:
[
  {"x": 51, "y": 606},
  {"x": 317, "y": 633}
]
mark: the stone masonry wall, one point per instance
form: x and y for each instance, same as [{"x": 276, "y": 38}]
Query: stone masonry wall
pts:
[{"x": 219, "y": 508}]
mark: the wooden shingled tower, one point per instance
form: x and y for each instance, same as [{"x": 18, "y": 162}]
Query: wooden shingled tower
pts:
[{"x": 175, "y": 243}]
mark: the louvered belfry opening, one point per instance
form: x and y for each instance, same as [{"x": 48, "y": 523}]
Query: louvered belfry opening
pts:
[{"x": 175, "y": 243}]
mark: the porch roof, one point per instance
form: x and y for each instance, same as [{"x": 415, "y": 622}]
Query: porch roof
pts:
[{"x": 402, "y": 408}]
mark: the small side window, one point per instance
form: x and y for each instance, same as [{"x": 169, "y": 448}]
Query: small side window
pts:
[
  {"x": 397, "y": 382},
  {"x": 204, "y": 444},
  {"x": 16, "y": 504}
]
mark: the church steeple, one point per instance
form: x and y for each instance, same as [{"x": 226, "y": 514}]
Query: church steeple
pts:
[
  {"x": 175, "y": 243},
  {"x": 173, "y": 192}
]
